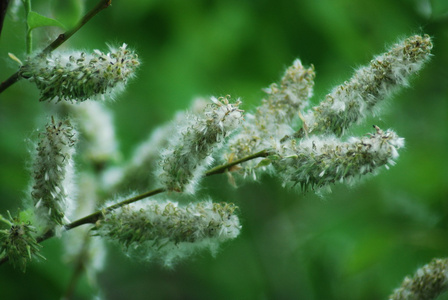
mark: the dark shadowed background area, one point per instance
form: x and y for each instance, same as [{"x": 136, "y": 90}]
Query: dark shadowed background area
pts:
[{"x": 355, "y": 243}]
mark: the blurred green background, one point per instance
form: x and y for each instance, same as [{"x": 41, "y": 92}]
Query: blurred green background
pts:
[{"x": 355, "y": 243}]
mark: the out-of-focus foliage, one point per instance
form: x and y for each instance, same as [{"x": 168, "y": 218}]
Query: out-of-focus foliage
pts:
[{"x": 355, "y": 243}]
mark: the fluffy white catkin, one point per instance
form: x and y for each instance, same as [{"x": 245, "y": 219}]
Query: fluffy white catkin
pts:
[
  {"x": 356, "y": 98},
  {"x": 427, "y": 283},
  {"x": 318, "y": 161},
  {"x": 190, "y": 150},
  {"x": 136, "y": 174},
  {"x": 77, "y": 76},
  {"x": 168, "y": 231},
  {"x": 53, "y": 173}
]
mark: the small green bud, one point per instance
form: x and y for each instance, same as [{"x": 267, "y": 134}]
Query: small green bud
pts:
[{"x": 18, "y": 242}]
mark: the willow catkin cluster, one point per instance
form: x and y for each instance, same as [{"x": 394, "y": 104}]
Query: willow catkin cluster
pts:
[
  {"x": 274, "y": 118},
  {"x": 427, "y": 283},
  {"x": 168, "y": 231},
  {"x": 272, "y": 127},
  {"x": 77, "y": 76},
  {"x": 352, "y": 101},
  {"x": 318, "y": 161},
  {"x": 190, "y": 150},
  {"x": 53, "y": 170}
]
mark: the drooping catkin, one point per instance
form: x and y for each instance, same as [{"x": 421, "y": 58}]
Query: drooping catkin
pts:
[
  {"x": 168, "y": 231},
  {"x": 53, "y": 173},
  {"x": 350, "y": 102},
  {"x": 77, "y": 76},
  {"x": 190, "y": 150},
  {"x": 137, "y": 173},
  {"x": 318, "y": 161}
]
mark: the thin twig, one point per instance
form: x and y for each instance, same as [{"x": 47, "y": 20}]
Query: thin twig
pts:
[
  {"x": 103, "y": 4},
  {"x": 77, "y": 272},
  {"x": 62, "y": 38},
  {"x": 10, "y": 81},
  {"x": 223, "y": 168},
  {"x": 79, "y": 268},
  {"x": 92, "y": 218}
]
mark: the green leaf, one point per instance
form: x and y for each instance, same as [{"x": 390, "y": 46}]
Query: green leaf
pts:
[
  {"x": 26, "y": 215},
  {"x": 68, "y": 11},
  {"x": 265, "y": 162},
  {"x": 37, "y": 20}
]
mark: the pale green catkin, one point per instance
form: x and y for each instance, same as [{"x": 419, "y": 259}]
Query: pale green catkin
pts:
[
  {"x": 427, "y": 283},
  {"x": 318, "y": 161},
  {"x": 168, "y": 231},
  {"x": 350, "y": 102},
  {"x": 77, "y": 76},
  {"x": 53, "y": 170},
  {"x": 190, "y": 151}
]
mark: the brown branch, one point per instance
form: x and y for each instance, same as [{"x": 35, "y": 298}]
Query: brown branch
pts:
[
  {"x": 3, "y": 8},
  {"x": 10, "y": 81}
]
